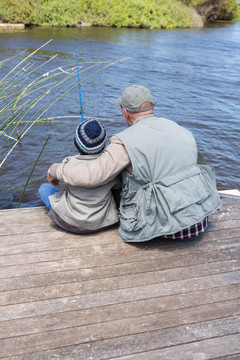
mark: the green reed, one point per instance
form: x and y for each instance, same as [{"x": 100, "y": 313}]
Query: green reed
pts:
[
  {"x": 28, "y": 92},
  {"x": 28, "y": 179}
]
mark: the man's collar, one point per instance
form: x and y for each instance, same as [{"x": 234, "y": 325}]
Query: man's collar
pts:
[{"x": 144, "y": 116}]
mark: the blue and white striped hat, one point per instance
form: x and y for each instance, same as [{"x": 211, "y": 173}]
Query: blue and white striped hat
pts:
[{"x": 90, "y": 137}]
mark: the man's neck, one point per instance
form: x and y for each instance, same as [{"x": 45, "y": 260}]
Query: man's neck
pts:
[{"x": 140, "y": 115}]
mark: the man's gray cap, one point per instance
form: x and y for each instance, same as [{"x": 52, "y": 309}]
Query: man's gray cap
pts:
[{"x": 133, "y": 97}]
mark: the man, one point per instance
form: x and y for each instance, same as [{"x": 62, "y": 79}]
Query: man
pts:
[{"x": 164, "y": 191}]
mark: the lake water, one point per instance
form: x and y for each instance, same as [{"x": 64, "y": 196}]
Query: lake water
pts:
[{"x": 193, "y": 74}]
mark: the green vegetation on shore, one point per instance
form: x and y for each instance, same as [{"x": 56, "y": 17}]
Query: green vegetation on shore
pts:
[
  {"x": 212, "y": 10},
  {"x": 154, "y": 14}
]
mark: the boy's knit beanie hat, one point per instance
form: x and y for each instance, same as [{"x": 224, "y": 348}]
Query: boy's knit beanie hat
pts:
[{"x": 90, "y": 137}]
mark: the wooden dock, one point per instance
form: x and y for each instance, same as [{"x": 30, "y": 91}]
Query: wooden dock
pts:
[
  {"x": 73, "y": 297},
  {"x": 8, "y": 26}
]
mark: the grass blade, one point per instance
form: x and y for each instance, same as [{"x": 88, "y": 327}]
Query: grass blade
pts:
[{"x": 46, "y": 141}]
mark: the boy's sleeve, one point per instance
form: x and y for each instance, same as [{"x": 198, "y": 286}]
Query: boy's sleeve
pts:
[{"x": 52, "y": 171}]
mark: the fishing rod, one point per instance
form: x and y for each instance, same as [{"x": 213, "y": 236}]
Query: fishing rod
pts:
[{"x": 79, "y": 83}]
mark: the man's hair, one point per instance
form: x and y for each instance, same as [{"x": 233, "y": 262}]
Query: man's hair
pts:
[{"x": 146, "y": 105}]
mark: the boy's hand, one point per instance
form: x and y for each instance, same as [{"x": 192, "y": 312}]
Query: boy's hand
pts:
[{"x": 52, "y": 181}]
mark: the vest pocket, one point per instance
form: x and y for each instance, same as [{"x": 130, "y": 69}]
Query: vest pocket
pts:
[
  {"x": 184, "y": 189},
  {"x": 131, "y": 217}
]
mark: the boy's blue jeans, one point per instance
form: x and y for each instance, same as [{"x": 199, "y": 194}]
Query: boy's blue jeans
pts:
[{"x": 45, "y": 191}]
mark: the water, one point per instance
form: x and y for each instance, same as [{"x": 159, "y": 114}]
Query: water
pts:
[{"x": 193, "y": 75}]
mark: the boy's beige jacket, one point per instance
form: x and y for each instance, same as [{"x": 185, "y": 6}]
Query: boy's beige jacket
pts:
[{"x": 83, "y": 207}]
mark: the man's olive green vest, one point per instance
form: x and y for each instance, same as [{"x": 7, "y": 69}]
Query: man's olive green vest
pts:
[{"x": 167, "y": 191}]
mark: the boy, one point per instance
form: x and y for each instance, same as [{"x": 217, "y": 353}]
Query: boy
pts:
[{"x": 77, "y": 209}]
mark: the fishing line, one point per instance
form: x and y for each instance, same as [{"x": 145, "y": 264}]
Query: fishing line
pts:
[{"x": 79, "y": 83}]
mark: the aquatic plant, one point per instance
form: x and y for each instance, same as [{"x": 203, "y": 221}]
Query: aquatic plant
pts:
[{"x": 28, "y": 92}]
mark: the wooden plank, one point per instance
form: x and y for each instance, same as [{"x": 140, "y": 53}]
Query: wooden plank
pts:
[
  {"x": 224, "y": 215},
  {"x": 22, "y": 215},
  {"x": 214, "y": 349},
  {"x": 206, "y": 349},
  {"x": 118, "y": 252},
  {"x": 114, "y": 240},
  {"x": 25, "y": 210},
  {"x": 166, "y": 306},
  {"x": 46, "y": 226},
  {"x": 21, "y": 237},
  {"x": 54, "y": 241},
  {"x": 228, "y": 357},
  {"x": 57, "y": 235},
  {"x": 33, "y": 228},
  {"x": 85, "y": 301},
  {"x": 224, "y": 224},
  {"x": 120, "y": 266},
  {"x": 59, "y": 239},
  {"x": 229, "y": 200},
  {"x": 41, "y": 221},
  {"x": 78, "y": 287},
  {"x": 84, "y": 345},
  {"x": 26, "y": 218},
  {"x": 94, "y": 297},
  {"x": 148, "y": 271}
]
